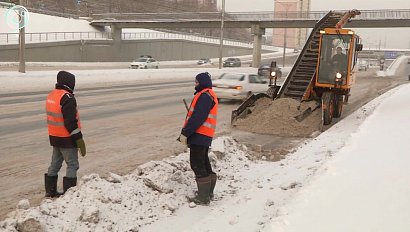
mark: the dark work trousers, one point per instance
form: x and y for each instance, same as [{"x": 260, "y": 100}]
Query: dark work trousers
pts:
[{"x": 199, "y": 160}]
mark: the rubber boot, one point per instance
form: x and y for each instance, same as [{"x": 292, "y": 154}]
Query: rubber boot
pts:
[
  {"x": 213, "y": 183},
  {"x": 69, "y": 182},
  {"x": 50, "y": 183},
  {"x": 204, "y": 188}
]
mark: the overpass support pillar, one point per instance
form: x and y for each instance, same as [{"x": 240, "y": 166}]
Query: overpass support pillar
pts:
[
  {"x": 116, "y": 33},
  {"x": 257, "y": 33}
]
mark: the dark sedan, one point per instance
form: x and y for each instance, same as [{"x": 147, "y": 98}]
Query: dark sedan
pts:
[
  {"x": 232, "y": 62},
  {"x": 264, "y": 70}
]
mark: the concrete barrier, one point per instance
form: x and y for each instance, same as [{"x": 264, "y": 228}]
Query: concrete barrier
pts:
[{"x": 107, "y": 51}]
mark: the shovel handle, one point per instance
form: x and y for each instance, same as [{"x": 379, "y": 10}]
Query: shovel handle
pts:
[{"x": 186, "y": 105}]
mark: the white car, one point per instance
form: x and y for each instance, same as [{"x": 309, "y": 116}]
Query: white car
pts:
[
  {"x": 238, "y": 86},
  {"x": 363, "y": 65},
  {"x": 144, "y": 63}
]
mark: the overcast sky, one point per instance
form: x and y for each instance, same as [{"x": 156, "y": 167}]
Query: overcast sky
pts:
[{"x": 392, "y": 38}]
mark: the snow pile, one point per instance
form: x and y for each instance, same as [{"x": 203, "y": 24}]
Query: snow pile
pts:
[
  {"x": 278, "y": 118},
  {"x": 267, "y": 187},
  {"x": 46, "y": 23},
  {"x": 394, "y": 66},
  {"x": 366, "y": 187},
  {"x": 124, "y": 203}
]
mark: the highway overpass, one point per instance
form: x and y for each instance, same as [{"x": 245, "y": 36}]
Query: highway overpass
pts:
[{"x": 258, "y": 22}]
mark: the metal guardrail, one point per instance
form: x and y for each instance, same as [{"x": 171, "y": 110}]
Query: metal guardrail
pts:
[
  {"x": 13, "y": 38},
  {"x": 384, "y": 14},
  {"x": 249, "y": 16},
  {"x": 365, "y": 14},
  {"x": 157, "y": 16},
  {"x": 206, "y": 16},
  {"x": 279, "y": 15},
  {"x": 190, "y": 37}
]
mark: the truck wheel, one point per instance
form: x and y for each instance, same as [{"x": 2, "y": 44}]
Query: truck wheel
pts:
[
  {"x": 346, "y": 97},
  {"x": 270, "y": 92},
  {"x": 338, "y": 106},
  {"x": 328, "y": 107}
]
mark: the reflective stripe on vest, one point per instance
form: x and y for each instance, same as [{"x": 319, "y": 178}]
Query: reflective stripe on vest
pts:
[
  {"x": 55, "y": 119},
  {"x": 208, "y": 127}
]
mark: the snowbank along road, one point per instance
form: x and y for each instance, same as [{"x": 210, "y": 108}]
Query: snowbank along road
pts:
[{"x": 125, "y": 124}]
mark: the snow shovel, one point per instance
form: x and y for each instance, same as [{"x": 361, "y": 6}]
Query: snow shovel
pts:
[
  {"x": 187, "y": 109},
  {"x": 186, "y": 105}
]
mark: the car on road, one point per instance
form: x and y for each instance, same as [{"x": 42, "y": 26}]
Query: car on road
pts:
[
  {"x": 232, "y": 62},
  {"x": 144, "y": 63},
  {"x": 238, "y": 86},
  {"x": 363, "y": 65},
  {"x": 204, "y": 61},
  {"x": 264, "y": 71}
]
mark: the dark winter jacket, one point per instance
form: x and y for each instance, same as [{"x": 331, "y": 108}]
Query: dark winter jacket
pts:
[
  {"x": 66, "y": 81},
  {"x": 339, "y": 62},
  {"x": 202, "y": 109}
]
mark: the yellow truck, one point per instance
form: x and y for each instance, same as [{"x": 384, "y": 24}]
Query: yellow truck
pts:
[{"x": 324, "y": 70}]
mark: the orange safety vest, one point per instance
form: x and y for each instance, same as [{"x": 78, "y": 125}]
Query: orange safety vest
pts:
[
  {"x": 55, "y": 119},
  {"x": 208, "y": 127}
]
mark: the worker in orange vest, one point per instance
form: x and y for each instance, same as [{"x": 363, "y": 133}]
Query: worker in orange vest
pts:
[
  {"x": 64, "y": 129},
  {"x": 197, "y": 134}
]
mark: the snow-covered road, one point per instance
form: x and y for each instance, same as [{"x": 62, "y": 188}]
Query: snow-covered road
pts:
[
  {"x": 125, "y": 146},
  {"x": 340, "y": 173}
]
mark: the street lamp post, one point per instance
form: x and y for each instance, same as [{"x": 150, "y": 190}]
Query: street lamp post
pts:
[
  {"x": 286, "y": 7},
  {"x": 22, "y": 42},
  {"x": 284, "y": 45},
  {"x": 222, "y": 34}
]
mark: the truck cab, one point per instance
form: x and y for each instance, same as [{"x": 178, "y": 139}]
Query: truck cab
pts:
[{"x": 337, "y": 58}]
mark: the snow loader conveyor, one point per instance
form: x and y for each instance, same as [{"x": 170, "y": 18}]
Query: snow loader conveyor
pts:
[{"x": 302, "y": 84}]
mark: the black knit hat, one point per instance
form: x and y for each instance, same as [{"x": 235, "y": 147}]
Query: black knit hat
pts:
[
  {"x": 66, "y": 78},
  {"x": 204, "y": 80}
]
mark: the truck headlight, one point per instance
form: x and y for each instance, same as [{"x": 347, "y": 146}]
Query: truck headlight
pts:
[
  {"x": 338, "y": 75},
  {"x": 273, "y": 73}
]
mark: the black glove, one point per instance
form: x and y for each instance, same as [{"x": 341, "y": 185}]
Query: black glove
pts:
[{"x": 81, "y": 146}]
